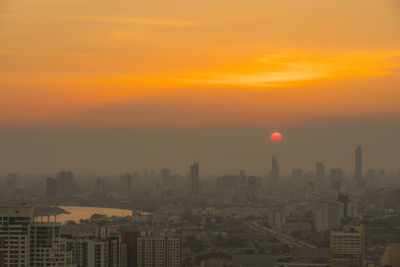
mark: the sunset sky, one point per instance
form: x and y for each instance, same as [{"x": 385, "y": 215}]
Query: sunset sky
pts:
[
  {"x": 122, "y": 85},
  {"x": 258, "y": 63}
]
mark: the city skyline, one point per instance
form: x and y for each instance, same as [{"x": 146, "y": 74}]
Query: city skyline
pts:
[{"x": 228, "y": 133}]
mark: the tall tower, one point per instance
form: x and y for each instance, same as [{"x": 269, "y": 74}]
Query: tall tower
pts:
[
  {"x": 65, "y": 183},
  {"x": 358, "y": 161},
  {"x": 274, "y": 174},
  {"x": 194, "y": 178},
  {"x": 320, "y": 171}
]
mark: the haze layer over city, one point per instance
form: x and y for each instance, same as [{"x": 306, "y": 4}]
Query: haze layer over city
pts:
[{"x": 215, "y": 133}]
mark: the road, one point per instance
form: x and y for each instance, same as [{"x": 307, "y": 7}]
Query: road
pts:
[{"x": 283, "y": 238}]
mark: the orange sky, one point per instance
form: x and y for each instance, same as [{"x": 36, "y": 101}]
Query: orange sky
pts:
[{"x": 197, "y": 63}]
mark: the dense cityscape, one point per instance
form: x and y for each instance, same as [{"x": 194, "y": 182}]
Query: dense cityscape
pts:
[
  {"x": 309, "y": 218},
  {"x": 211, "y": 133}
]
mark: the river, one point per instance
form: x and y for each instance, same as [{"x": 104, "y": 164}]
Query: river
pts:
[{"x": 75, "y": 213}]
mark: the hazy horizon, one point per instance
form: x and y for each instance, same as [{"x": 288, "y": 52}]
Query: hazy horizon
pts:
[{"x": 100, "y": 150}]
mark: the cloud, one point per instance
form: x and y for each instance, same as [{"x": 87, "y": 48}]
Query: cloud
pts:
[
  {"x": 294, "y": 67},
  {"x": 167, "y": 22}
]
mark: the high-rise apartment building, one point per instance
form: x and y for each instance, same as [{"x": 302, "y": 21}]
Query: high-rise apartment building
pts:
[
  {"x": 26, "y": 242},
  {"x": 277, "y": 218},
  {"x": 328, "y": 215},
  {"x": 347, "y": 247},
  {"x": 159, "y": 251},
  {"x": 103, "y": 249},
  {"x": 65, "y": 184}
]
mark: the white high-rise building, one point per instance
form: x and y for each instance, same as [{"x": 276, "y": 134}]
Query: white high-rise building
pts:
[
  {"x": 328, "y": 215},
  {"x": 277, "y": 218},
  {"x": 102, "y": 250},
  {"x": 159, "y": 251},
  {"x": 24, "y": 241}
]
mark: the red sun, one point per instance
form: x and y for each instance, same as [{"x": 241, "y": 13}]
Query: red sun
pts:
[{"x": 276, "y": 137}]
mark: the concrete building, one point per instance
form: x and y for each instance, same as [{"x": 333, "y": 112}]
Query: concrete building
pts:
[
  {"x": 347, "y": 247},
  {"x": 159, "y": 251},
  {"x": 65, "y": 184},
  {"x": 328, "y": 215},
  {"x": 24, "y": 241},
  {"x": 391, "y": 258},
  {"x": 277, "y": 218},
  {"x": 102, "y": 250}
]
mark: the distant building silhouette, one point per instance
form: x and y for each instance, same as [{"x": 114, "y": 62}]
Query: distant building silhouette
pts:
[
  {"x": 358, "y": 164},
  {"x": 320, "y": 171},
  {"x": 336, "y": 176},
  {"x": 274, "y": 174},
  {"x": 126, "y": 185},
  {"x": 10, "y": 184},
  {"x": 194, "y": 178},
  {"x": 297, "y": 174},
  {"x": 165, "y": 176},
  {"x": 51, "y": 188},
  {"x": 100, "y": 187},
  {"x": 65, "y": 184}
]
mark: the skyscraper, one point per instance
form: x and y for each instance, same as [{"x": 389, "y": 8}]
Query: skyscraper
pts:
[
  {"x": 336, "y": 176},
  {"x": 274, "y": 174},
  {"x": 277, "y": 218},
  {"x": 320, "y": 171},
  {"x": 104, "y": 249},
  {"x": 194, "y": 178},
  {"x": 358, "y": 164},
  {"x": 347, "y": 247},
  {"x": 126, "y": 185},
  {"x": 65, "y": 183},
  {"x": 328, "y": 215},
  {"x": 100, "y": 187},
  {"x": 159, "y": 251}
]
